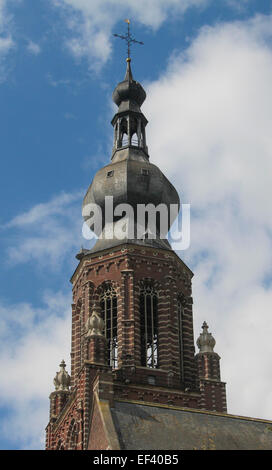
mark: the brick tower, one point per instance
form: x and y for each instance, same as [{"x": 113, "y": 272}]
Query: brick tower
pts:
[{"x": 132, "y": 320}]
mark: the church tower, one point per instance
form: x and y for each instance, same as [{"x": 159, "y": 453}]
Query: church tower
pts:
[{"x": 132, "y": 320}]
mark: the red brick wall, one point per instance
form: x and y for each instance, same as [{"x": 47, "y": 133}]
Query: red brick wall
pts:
[
  {"x": 213, "y": 391},
  {"x": 126, "y": 267},
  {"x": 97, "y": 438}
]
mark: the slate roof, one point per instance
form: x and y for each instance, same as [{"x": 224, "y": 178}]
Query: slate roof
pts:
[{"x": 146, "y": 427}]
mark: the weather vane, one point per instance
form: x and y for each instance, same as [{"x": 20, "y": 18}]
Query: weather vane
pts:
[{"x": 128, "y": 38}]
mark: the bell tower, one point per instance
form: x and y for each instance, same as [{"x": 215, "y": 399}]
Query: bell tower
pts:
[
  {"x": 132, "y": 319},
  {"x": 129, "y": 122}
]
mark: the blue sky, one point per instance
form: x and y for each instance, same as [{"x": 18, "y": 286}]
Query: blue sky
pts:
[{"x": 207, "y": 68}]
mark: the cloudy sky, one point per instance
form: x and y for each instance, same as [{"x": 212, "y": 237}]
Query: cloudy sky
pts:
[{"x": 207, "y": 68}]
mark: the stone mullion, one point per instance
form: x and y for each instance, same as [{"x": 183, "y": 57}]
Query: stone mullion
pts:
[
  {"x": 137, "y": 328},
  {"x": 188, "y": 341},
  {"x": 164, "y": 302},
  {"x": 192, "y": 344},
  {"x": 132, "y": 316},
  {"x": 174, "y": 330},
  {"x": 86, "y": 309},
  {"x": 122, "y": 317},
  {"x": 120, "y": 324},
  {"x": 128, "y": 317},
  {"x": 176, "y": 359},
  {"x": 120, "y": 321}
]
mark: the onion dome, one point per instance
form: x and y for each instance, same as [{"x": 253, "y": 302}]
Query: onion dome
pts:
[
  {"x": 62, "y": 379},
  {"x": 129, "y": 179},
  {"x": 129, "y": 89},
  {"x": 206, "y": 341},
  {"x": 95, "y": 325}
]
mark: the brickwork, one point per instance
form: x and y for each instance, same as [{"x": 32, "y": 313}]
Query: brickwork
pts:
[
  {"x": 58, "y": 400},
  {"x": 187, "y": 381},
  {"x": 213, "y": 391},
  {"x": 97, "y": 439}
]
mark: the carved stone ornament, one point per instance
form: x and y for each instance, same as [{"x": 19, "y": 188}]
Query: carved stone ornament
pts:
[
  {"x": 94, "y": 325},
  {"x": 206, "y": 341},
  {"x": 62, "y": 379}
]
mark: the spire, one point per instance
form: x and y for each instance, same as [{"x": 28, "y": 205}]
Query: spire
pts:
[
  {"x": 206, "y": 341},
  {"x": 128, "y": 76},
  {"x": 62, "y": 379},
  {"x": 129, "y": 178},
  {"x": 129, "y": 122}
]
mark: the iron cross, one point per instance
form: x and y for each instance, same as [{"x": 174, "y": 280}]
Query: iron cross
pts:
[{"x": 128, "y": 38}]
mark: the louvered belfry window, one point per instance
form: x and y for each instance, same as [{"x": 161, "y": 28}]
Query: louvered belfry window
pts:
[
  {"x": 108, "y": 304},
  {"x": 149, "y": 326}
]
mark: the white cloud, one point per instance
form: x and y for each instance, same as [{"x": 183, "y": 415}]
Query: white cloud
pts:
[
  {"x": 34, "y": 48},
  {"x": 34, "y": 340},
  {"x": 212, "y": 111},
  {"x": 40, "y": 211},
  {"x": 6, "y": 38},
  {"x": 55, "y": 83},
  {"x": 47, "y": 232},
  {"x": 91, "y": 23},
  {"x": 6, "y": 44}
]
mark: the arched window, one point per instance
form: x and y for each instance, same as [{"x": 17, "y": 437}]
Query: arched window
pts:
[
  {"x": 149, "y": 325},
  {"x": 108, "y": 304},
  {"x": 181, "y": 303},
  {"x": 135, "y": 139},
  {"x": 124, "y": 132}
]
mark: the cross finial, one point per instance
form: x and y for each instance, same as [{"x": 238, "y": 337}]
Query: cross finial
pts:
[{"x": 129, "y": 39}]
